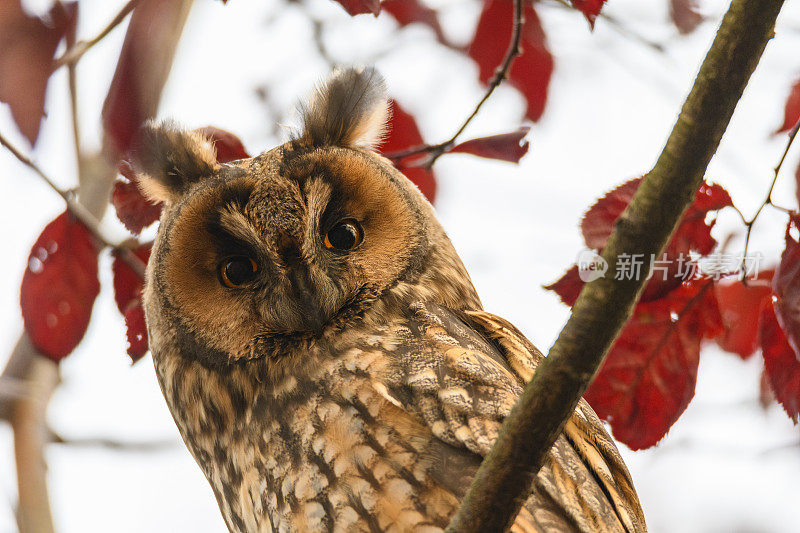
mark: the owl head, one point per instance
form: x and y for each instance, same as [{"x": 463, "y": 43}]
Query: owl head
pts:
[{"x": 298, "y": 243}]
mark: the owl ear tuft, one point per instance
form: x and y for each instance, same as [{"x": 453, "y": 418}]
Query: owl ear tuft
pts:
[
  {"x": 168, "y": 160},
  {"x": 349, "y": 109}
]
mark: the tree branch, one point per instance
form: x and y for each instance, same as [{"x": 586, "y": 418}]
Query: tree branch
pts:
[
  {"x": 80, "y": 210},
  {"x": 27, "y": 416},
  {"x": 503, "y": 482},
  {"x": 434, "y": 151}
]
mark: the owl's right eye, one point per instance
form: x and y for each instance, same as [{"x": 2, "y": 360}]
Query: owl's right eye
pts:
[{"x": 236, "y": 271}]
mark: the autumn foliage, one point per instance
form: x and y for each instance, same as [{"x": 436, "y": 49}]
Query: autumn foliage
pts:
[{"x": 649, "y": 377}]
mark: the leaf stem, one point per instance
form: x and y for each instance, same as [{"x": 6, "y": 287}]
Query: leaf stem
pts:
[
  {"x": 73, "y": 54},
  {"x": 79, "y": 211},
  {"x": 435, "y": 151},
  {"x": 767, "y": 200}
]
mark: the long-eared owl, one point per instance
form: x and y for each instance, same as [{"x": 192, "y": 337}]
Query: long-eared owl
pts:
[{"x": 322, "y": 348}]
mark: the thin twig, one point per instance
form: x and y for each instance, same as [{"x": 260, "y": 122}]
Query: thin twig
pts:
[
  {"x": 619, "y": 26},
  {"x": 75, "y": 52},
  {"x": 113, "y": 444},
  {"x": 73, "y": 99},
  {"x": 767, "y": 200},
  {"x": 80, "y": 212},
  {"x": 434, "y": 151},
  {"x": 13, "y": 388}
]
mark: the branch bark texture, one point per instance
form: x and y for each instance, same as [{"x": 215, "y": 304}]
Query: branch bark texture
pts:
[{"x": 504, "y": 479}]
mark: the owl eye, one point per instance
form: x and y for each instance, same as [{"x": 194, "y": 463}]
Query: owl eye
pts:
[
  {"x": 344, "y": 236},
  {"x": 236, "y": 271}
]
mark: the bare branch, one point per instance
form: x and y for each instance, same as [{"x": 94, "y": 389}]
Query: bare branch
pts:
[
  {"x": 113, "y": 444},
  {"x": 434, "y": 151},
  {"x": 76, "y": 51},
  {"x": 27, "y": 417},
  {"x": 620, "y": 27},
  {"x": 503, "y": 482},
  {"x": 80, "y": 212},
  {"x": 767, "y": 201}
]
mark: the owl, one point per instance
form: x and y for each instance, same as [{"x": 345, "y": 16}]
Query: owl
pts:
[{"x": 321, "y": 347}]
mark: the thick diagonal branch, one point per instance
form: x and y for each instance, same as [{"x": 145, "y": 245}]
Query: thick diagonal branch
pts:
[{"x": 504, "y": 479}]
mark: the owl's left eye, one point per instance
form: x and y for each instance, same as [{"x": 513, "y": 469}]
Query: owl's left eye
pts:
[
  {"x": 236, "y": 271},
  {"x": 344, "y": 236}
]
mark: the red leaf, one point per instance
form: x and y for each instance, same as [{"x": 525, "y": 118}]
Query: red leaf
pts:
[
  {"x": 229, "y": 147},
  {"x": 407, "y": 12},
  {"x": 649, "y": 376},
  {"x": 27, "y": 46},
  {"x": 740, "y": 306},
  {"x": 133, "y": 209},
  {"x": 128, "y": 283},
  {"x": 357, "y": 7},
  {"x": 598, "y": 222},
  {"x": 128, "y": 294},
  {"x": 506, "y": 147},
  {"x": 791, "y": 113},
  {"x": 403, "y": 134},
  {"x": 59, "y": 287},
  {"x": 797, "y": 183},
  {"x": 684, "y": 15},
  {"x": 786, "y": 285},
  {"x": 142, "y": 69},
  {"x": 692, "y": 233},
  {"x": 531, "y": 71},
  {"x": 589, "y": 8},
  {"x": 567, "y": 286},
  {"x": 136, "y": 333},
  {"x": 780, "y": 364}
]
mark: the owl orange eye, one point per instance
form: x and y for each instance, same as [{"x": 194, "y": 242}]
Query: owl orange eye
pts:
[
  {"x": 236, "y": 271},
  {"x": 344, "y": 236}
]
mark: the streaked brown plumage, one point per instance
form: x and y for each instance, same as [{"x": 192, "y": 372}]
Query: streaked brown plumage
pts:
[{"x": 352, "y": 386}]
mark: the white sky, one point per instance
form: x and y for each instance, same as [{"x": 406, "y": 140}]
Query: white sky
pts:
[{"x": 727, "y": 465}]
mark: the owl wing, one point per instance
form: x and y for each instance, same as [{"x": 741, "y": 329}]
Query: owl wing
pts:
[{"x": 461, "y": 372}]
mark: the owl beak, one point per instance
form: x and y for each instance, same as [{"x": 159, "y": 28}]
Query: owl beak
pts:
[
  {"x": 304, "y": 291},
  {"x": 312, "y": 312}
]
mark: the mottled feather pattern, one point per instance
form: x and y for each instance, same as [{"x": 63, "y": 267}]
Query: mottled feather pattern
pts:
[
  {"x": 349, "y": 388},
  {"x": 332, "y": 450}
]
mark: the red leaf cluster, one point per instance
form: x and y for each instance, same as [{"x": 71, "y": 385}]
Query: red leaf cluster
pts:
[
  {"x": 791, "y": 112},
  {"x": 531, "y": 71},
  {"x": 505, "y": 147},
  {"x": 649, "y": 375},
  {"x": 693, "y": 235},
  {"x": 27, "y": 46},
  {"x": 128, "y": 296},
  {"x": 648, "y": 378},
  {"x": 59, "y": 287},
  {"x": 404, "y": 133}
]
